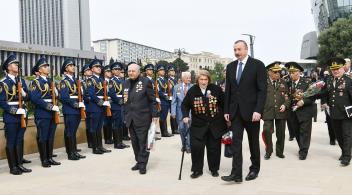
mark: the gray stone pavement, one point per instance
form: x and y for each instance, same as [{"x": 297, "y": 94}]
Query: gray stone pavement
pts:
[{"x": 111, "y": 174}]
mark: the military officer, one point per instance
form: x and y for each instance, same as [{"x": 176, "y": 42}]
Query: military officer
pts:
[
  {"x": 164, "y": 100},
  {"x": 68, "y": 95},
  {"x": 116, "y": 95},
  {"x": 87, "y": 73},
  {"x": 337, "y": 94},
  {"x": 96, "y": 107},
  {"x": 171, "y": 84},
  {"x": 301, "y": 118},
  {"x": 149, "y": 72},
  {"x": 138, "y": 100},
  {"x": 275, "y": 111},
  {"x": 41, "y": 96},
  {"x": 12, "y": 114},
  {"x": 107, "y": 126}
]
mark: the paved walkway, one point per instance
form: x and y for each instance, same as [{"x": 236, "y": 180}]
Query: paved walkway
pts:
[{"x": 110, "y": 173}]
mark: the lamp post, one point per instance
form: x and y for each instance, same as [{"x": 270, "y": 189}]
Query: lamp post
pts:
[
  {"x": 251, "y": 42},
  {"x": 179, "y": 52}
]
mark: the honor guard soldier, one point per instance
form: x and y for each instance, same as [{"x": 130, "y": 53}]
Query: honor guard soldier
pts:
[
  {"x": 171, "y": 84},
  {"x": 164, "y": 100},
  {"x": 337, "y": 95},
  {"x": 14, "y": 116},
  {"x": 116, "y": 95},
  {"x": 41, "y": 96},
  {"x": 301, "y": 118},
  {"x": 87, "y": 73},
  {"x": 149, "y": 72},
  {"x": 275, "y": 111},
  {"x": 107, "y": 125},
  {"x": 96, "y": 107},
  {"x": 68, "y": 94}
]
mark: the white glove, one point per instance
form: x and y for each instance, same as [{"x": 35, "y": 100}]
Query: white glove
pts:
[
  {"x": 23, "y": 93},
  {"x": 106, "y": 103},
  {"x": 55, "y": 109},
  {"x": 56, "y": 92},
  {"x": 21, "y": 111},
  {"x": 157, "y": 100},
  {"x": 170, "y": 98},
  {"x": 81, "y": 105}
]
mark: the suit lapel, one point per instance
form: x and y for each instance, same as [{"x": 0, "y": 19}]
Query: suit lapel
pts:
[{"x": 244, "y": 71}]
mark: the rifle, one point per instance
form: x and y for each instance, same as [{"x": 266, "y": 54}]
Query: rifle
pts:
[
  {"x": 169, "y": 87},
  {"x": 20, "y": 99},
  {"x": 53, "y": 95},
  {"x": 156, "y": 91},
  {"x": 79, "y": 86},
  {"x": 108, "y": 110}
]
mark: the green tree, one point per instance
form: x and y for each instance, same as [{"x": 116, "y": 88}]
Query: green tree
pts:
[
  {"x": 163, "y": 62},
  {"x": 217, "y": 73},
  {"x": 336, "y": 41}
]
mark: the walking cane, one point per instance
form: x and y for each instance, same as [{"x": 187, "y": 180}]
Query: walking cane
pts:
[{"x": 183, "y": 151}]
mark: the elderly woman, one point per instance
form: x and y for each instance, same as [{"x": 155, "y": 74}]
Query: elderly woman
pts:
[{"x": 205, "y": 100}]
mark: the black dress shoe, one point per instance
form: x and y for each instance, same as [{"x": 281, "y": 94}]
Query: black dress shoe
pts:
[
  {"x": 135, "y": 167},
  {"x": 142, "y": 171},
  {"x": 196, "y": 174},
  {"x": 121, "y": 146},
  {"x": 345, "y": 163},
  {"x": 126, "y": 138},
  {"x": 232, "y": 178},
  {"x": 302, "y": 157},
  {"x": 267, "y": 156},
  {"x": 188, "y": 151},
  {"x": 215, "y": 173},
  {"x": 157, "y": 138},
  {"x": 251, "y": 176},
  {"x": 24, "y": 169},
  {"x": 280, "y": 155},
  {"x": 290, "y": 139},
  {"x": 53, "y": 162},
  {"x": 109, "y": 141}
]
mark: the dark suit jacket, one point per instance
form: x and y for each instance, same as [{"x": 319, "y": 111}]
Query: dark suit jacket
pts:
[
  {"x": 201, "y": 122},
  {"x": 249, "y": 96},
  {"x": 139, "y": 102}
]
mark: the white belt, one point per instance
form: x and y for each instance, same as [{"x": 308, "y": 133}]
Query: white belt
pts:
[
  {"x": 119, "y": 95},
  {"x": 102, "y": 97},
  {"x": 74, "y": 97},
  {"x": 165, "y": 94},
  {"x": 13, "y": 103},
  {"x": 48, "y": 100}
]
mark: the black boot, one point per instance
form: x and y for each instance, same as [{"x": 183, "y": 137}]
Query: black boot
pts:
[
  {"x": 107, "y": 134},
  {"x": 19, "y": 159},
  {"x": 163, "y": 129},
  {"x": 117, "y": 134},
  {"x": 95, "y": 144},
  {"x": 125, "y": 133},
  {"x": 89, "y": 138},
  {"x": 11, "y": 159},
  {"x": 75, "y": 143},
  {"x": 69, "y": 151},
  {"x": 25, "y": 161},
  {"x": 100, "y": 142},
  {"x": 50, "y": 148},
  {"x": 74, "y": 148},
  {"x": 174, "y": 125},
  {"x": 43, "y": 154}
]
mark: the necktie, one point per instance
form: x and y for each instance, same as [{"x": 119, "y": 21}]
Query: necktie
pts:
[
  {"x": 185, "y": 90},
  {"x": 239, "y": 72},
  {"x": 335, "y": 82},
  {"x": 274, "y": 84}
]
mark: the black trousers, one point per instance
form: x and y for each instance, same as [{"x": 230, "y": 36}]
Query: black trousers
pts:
[
  {"x": 238, "y": 124},
  {"x": 139, "y": 137},
  {"x": 330, "y": 129},
  {"x": 343, "y": 132},
  {"x": 213, "y": 146},
  {"x": 289, "y": 124},
  {"x": 303, "y": 131}
]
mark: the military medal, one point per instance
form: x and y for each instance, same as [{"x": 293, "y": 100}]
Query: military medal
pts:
[
  {"x": 139, "y": 86},
  {"x": 341, "y": 93}
]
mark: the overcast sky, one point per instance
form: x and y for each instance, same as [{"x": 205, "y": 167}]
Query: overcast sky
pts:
[{"x": 195, "y": 25}]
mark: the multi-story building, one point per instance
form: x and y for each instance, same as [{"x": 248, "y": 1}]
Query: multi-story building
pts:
[
  {"x": 28, "y": 54},
  {"x": 55, "y": 23},
  {"x": 325, "y": 12},
  {"x": 126, "y": 51}
]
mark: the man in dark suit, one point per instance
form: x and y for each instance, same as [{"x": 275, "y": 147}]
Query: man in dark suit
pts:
[
  {"x": 245, "y": 95},
  {"x": 139, "y": 109}
]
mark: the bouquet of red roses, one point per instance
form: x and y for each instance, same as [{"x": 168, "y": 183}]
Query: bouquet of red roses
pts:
[{"x": 312, "y": 90}]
